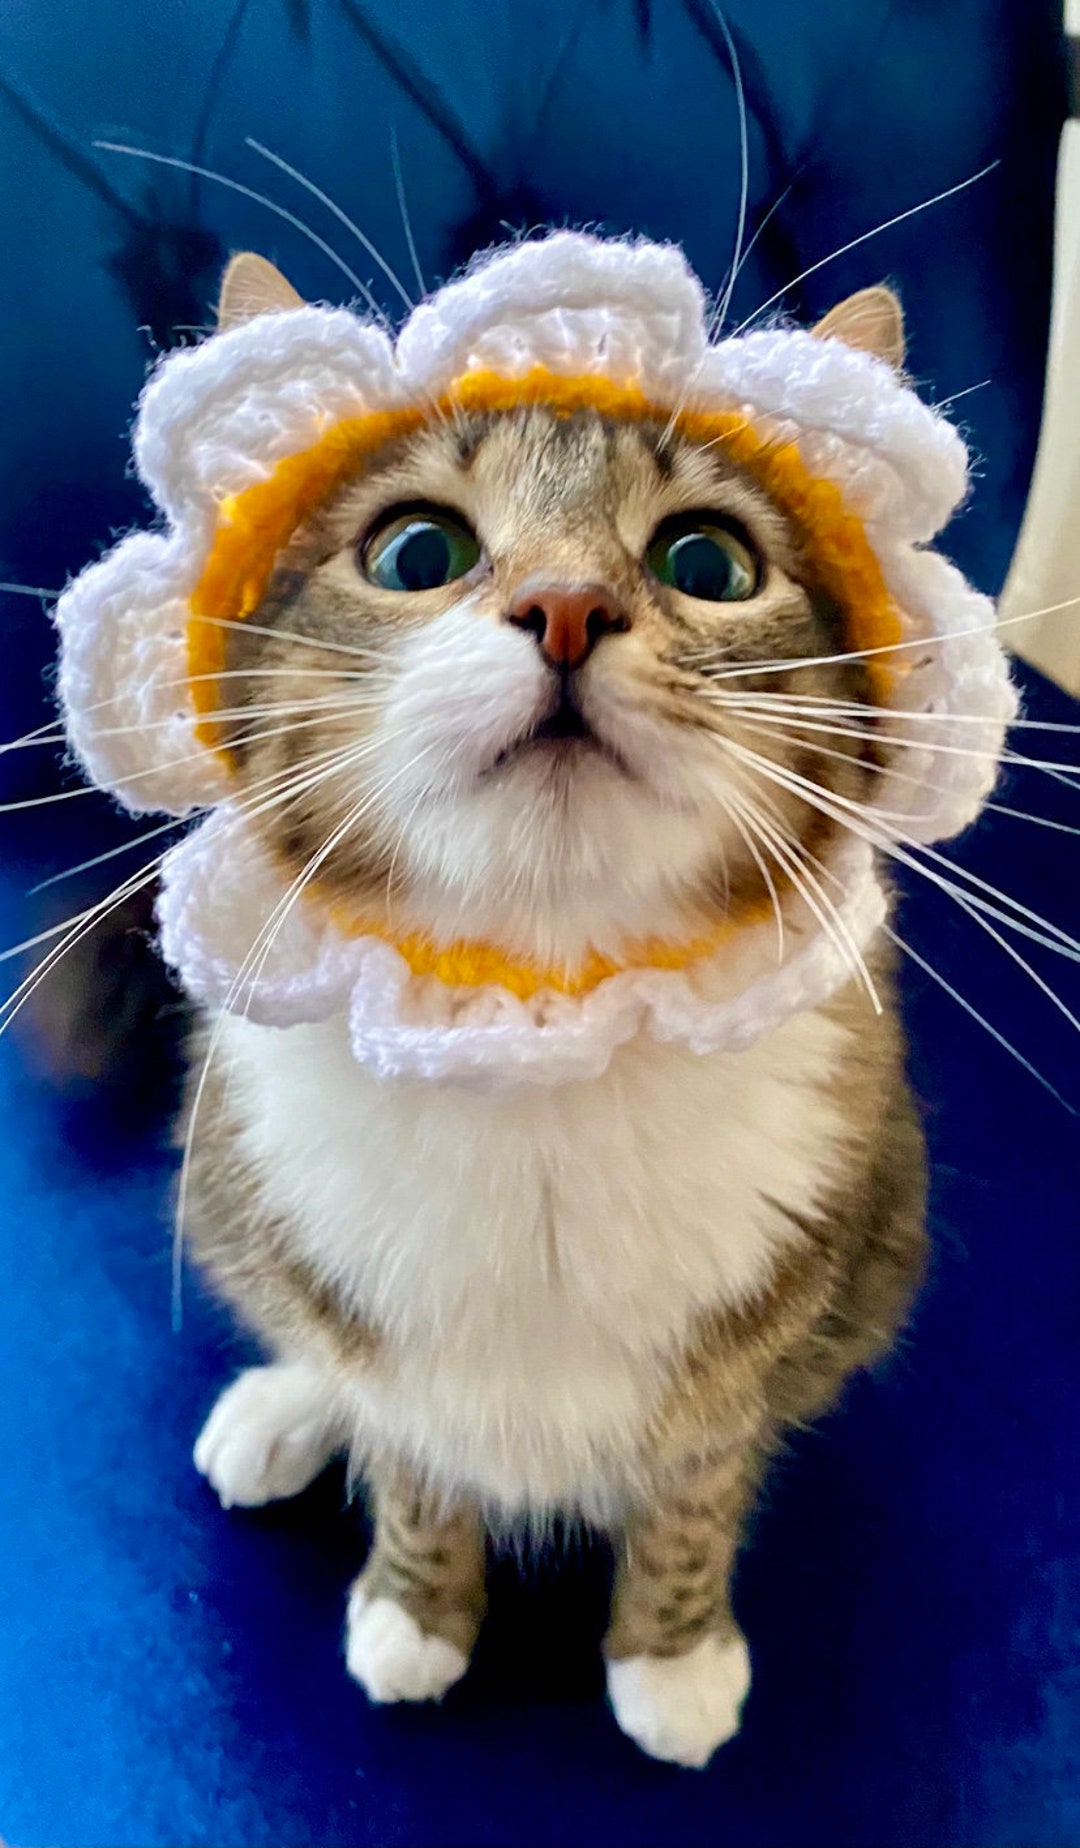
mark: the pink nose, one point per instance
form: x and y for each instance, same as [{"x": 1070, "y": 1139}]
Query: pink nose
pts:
[{"x": 567, "y": 620}]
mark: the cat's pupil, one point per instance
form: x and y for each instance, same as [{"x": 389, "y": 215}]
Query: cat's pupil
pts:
[
  {"x": 420, "y": 557},
  {"x": 706, "y": 562},
  {"x": 700, "y": 568},
  {"x": 419, "y": 552}
]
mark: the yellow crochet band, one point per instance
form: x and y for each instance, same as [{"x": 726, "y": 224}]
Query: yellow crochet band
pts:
[
  {"x": 468, "y": 964},
  {"x": 255, "y": 525}
]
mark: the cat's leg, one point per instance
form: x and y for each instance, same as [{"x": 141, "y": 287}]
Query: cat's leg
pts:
[
  {"x": 415, "y": 1610},
  {"x": 678, "y": 1670},
  {"x": 270, "y": 1433}
]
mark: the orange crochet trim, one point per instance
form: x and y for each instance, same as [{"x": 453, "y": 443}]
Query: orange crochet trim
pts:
[
  {"x": 467, "y": 964},
  {"x": 255, "y": 525}
]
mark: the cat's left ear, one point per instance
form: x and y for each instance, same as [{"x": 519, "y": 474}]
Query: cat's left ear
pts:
[
  {"x": 872, "y": 321},
  {"x": 252, "y": 286}
]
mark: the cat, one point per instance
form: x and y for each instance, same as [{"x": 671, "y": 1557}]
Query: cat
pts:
[{"x": 608, "y": 1299}]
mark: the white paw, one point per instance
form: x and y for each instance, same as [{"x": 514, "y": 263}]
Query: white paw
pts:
[
  {"x": 270, "y": 1434},
  {"x": 391, "y": 1658},
  {"x": 682, "y": 1707}
]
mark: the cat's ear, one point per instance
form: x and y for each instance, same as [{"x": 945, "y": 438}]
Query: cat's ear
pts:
[
  {"x": 252, "y": 286},
  {"x": 872, "y": 321}
]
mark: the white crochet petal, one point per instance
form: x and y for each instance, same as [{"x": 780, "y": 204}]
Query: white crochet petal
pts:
[
  {"x": 229, "y": 930},
  {"x": 941, "y": 782},
  {"x": 216, "y": 417},
  {"x": 816, "y": 965},
  {"x": 403, "y": 1026},
  {"x": 124, "y": 677},
  {"x": 570, "y": 302},
  {"x": 858, "y": 424}
]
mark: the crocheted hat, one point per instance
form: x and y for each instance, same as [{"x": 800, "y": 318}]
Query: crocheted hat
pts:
[{"x": 240, "y": 438}]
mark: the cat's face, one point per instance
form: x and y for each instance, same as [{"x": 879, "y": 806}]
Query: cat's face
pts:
[{"x": 529, "y": 742}]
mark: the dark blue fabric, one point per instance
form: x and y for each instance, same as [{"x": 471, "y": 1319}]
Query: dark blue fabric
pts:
[{"x": 171, "y": 1675}]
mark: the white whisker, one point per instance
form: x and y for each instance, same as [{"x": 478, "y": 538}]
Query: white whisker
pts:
[
  {"x": 342, "y": 217},
  {"x": 247, "y": 973},
  {"x": 936, "y": 976},
  {"x": 817, "y": 900},
  {"x": 955, "y": 994},
  {"x": 944, "y": 404},
  {"x": 850, "y": 815},
  {"x": 1038, "y": 821},
  {"x": 99, "y": 859},
  {"x": 283, "y": 786},
  {"x": 814, "y": 704},
  {"x": 247, "y": 192},
  {"x": 402, "y": 833},
  {"x": 853, "y": 243},
  {"x": 319, "y": 709},
  {"x": 742, "y": 822},
  {"x": 29, "y": 590},
  {"x": 777, "y": 720},
  {"x": 715, "y": 321},
  {"x": 246, "y": 626},
  {"x": 75, "y": 930},
  {"x": 704, "y": 657},
  {"x": 295, "y": 786},
  {"x": 968, "y": 905},
  {"x": 744, "y": 161},
  {"x": 901, "y": 776},
  {"x": 975, "y": 911},
  {"x": 51, "y": 733},
  {"x": 175, "y": 763},
  {"x": 399, "y": 187}
]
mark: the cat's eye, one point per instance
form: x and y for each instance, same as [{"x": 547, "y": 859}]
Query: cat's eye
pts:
[
  {"x": 705, "y": 558},
  {"x": 418, "y": 548}
]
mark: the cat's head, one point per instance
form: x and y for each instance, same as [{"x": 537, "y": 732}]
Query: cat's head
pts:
[
  {"x": 560, "y": 626},
  {"x": 517, "y": 729}
]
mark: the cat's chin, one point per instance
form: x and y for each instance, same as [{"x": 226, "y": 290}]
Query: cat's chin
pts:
[{"x": 554, "y": 856}]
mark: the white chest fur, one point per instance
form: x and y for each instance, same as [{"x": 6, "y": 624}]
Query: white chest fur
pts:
[{"x": 533, "y": 1260}]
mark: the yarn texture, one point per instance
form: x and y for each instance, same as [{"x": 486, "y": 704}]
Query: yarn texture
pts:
[{"x": 238, "y": 438}]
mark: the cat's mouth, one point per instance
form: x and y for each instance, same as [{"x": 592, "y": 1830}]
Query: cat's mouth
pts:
[
  {"x": 567, "y": 721},
  {"x": 563, "y": 732}
]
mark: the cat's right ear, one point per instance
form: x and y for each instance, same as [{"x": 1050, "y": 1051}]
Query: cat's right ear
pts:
[
  {"x": 252, "y": 286},
  {"x": 871, "y": 321}
]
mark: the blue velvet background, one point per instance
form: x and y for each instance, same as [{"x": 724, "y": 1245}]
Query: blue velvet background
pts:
[{"x": 169, "y": 1674}]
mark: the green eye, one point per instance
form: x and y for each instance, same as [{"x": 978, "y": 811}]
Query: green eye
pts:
[
  {"x": 704, "y": 559},
  {"x": 419, "y": 550}
]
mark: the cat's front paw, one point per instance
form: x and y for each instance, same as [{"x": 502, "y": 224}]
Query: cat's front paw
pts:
[
  {"x": 391, "y": 1657},
  {"x": 270, "y": 1434},
  {"x": 682, "y": 1707}
]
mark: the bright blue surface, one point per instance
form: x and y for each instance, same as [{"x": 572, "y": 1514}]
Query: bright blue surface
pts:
[{"x": 172, "y": 1675}]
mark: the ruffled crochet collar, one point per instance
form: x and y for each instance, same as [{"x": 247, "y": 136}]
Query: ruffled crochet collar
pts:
[{"x": 237, "y": 942}]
